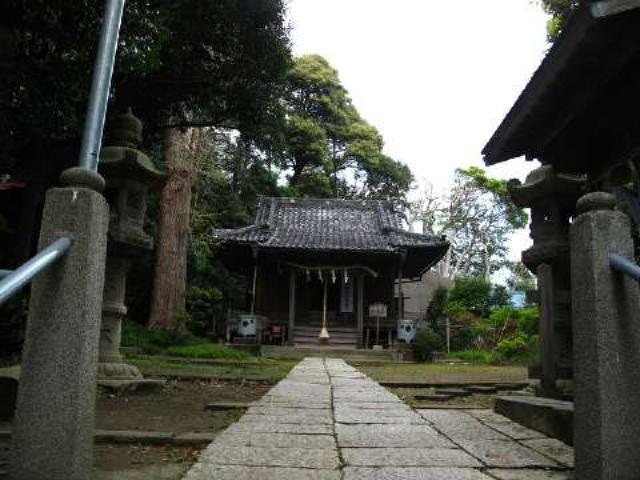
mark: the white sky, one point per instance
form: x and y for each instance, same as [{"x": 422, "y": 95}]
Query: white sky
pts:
[{"x": 434, "y": 77}]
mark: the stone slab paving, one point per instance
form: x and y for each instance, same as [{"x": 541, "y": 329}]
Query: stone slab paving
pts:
[{"x": 328, "y": 421}]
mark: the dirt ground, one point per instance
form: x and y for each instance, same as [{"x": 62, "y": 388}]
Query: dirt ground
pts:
[
  {"x": 179, "y": 407},
  {"x": 109, "y": 457}
]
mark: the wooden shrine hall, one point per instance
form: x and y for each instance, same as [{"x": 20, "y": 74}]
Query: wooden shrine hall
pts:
[{"x": 317, "y": 265}]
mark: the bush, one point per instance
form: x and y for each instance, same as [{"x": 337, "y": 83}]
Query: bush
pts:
[
  {"x": 201, "y": 304},
  {"x": 437, "y": 305},
  {"x": 528, "y": 320},
  {"x": 208, "y": 350},
  {"x": 425, "y": 344},
  {"x": 500, "y": 297},
  {"x": 154, "y": 341},
  {"x": 474, "y": 356},
  {"x": 519, "y": 348}
]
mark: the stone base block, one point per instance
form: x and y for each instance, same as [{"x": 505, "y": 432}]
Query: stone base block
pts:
[
  {"x": 133, "y": 385},
  {"x": 118, "y": 371},
  {"x": 546, "y": 415}
]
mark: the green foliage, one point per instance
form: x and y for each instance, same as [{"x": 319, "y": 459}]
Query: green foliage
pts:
[
  {"x": 472, "y": 356},
  {"x": 528, "y": 320},
  {"x": 437, "y": 306},
  {"x": 208, "y": 350},
  {"x": 518, "y": 348},
  {"x": 472, "y": 294},
  {"x": 500, "y": 297},
  {"x": 477, "y": 216},
  {"x": 482, "y": 323},
  {"x": 514, "y": 215},
  {"x": 201, "y": 302},
  {"x": 329, "y": 148},
  {"x": 425, "y": 344},
  {"x": 203, "y": 61},
  {"x": 559, "y": 11},
  {"x": 154, "y": 341}
]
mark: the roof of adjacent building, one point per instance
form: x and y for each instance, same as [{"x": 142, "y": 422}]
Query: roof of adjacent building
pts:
[
  {"x": 332, "y": 225},
  {"x": 567, "y": 115}
]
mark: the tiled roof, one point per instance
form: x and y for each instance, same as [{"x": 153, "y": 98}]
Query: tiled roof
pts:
[{"x": 329, "y": 224}]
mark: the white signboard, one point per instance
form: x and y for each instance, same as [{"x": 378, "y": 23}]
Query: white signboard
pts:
[
  {"x": 378, "y": 310},
  {"x": 346, "y": 297}
]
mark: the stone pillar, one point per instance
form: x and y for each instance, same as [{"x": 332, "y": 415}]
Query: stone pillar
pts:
[
  {"x": 112, "y": 371},
  {"x": 113, "y": 309},
  {"x": 606, "y": 334},
  {"x": 547, "y": 328},
  {"x": 53, "y": 430}
]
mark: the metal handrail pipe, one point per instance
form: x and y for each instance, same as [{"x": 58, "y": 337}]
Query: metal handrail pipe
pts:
[
  {"x": 4, "y": 273},
  {"x": 625, "y": 266},
  {"x": 101, "y": 85},
  {"x": 25, "y": 273}
]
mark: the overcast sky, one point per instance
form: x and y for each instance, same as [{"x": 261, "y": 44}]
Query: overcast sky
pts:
[{"x": 434, "y": 77}]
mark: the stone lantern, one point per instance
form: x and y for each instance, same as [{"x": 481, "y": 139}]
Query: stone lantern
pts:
[
  {"x": 552, "y": 199},
  {"x": 129, "y": 176}
]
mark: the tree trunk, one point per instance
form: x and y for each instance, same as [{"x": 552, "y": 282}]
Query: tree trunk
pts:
[{"x": 174, "y": 230}]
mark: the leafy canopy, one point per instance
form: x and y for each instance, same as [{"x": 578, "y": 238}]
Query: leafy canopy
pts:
[
  {"x": 330, "y": 149},
  {"x": 559, "y": 11},
  {"x": 477, "y": 216}
]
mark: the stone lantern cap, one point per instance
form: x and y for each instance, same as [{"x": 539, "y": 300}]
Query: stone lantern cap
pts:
[
  {"x": 129, "y": 175},
  {"x": 545, "y": 186},
  {"x": 121, "y": 159}
]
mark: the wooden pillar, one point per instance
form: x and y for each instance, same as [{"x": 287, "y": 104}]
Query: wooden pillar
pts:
[
  {"x": 360, "y": 308},
  {"x": 400, "y": 295},
  {"x": 292, "y": 304},
  {"x": 253, "y": 288}
]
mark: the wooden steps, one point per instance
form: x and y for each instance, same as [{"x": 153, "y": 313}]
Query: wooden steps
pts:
[{"x": 340, "y": 336}]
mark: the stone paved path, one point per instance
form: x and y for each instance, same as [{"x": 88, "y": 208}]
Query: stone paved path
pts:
[{"x": 328, "y": 421}]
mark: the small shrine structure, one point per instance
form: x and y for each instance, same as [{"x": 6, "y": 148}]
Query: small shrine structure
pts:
[{"x": 318, "y": 264}]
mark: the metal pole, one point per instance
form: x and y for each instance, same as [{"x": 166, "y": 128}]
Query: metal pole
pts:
[
  {"x": 23, "y": 275},
  {"x": 100, "y": 85},
  {"x": 624, "y": 265}
]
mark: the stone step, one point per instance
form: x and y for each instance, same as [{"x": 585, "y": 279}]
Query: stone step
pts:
[
  {"x": 330, "y": 343},
  {"x": 481, "y": 389},
  {"x": 333, "y": 333},
  {"x": 453, "y": 392},
  {"x": 436, "y": 397},
  {"x": 547, "y": 415},
  {"x": 221, "y": 406},
  {"x": 316, "y": 329},
  {"x": 351, "y": 353},
  {"x": 339, "y": 336}
]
